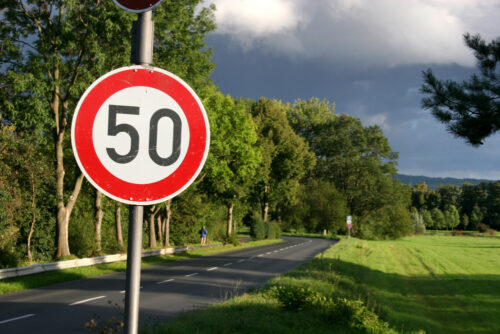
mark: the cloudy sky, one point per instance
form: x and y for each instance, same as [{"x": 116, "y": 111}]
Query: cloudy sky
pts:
[{"x": 367, "y": 56}]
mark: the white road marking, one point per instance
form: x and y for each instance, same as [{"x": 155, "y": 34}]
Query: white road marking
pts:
[
  {"x": 268, "y": 252},
  {"x": 213, "y": 268},
  {"x": 227, "y": 264},
  {"x": 16, "y": 318},
  {"x": 241, "y": 260},
  {"x": 166, "y": 281},
  {"x": 260, "y": 255},
  {"x": 190, "y": 275},
  {"x": 86, "y": 300}
]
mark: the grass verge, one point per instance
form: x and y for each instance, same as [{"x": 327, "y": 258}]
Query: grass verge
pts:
[
  {"x": 37, "y": 280},
  {"x": 425, "y": 284}
]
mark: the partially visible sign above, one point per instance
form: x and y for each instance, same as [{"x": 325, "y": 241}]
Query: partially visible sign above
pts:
[{"x": 137, "y": 6}]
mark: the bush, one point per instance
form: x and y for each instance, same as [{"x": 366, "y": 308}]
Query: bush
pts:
[
  {"x": 388, "y": 222},
  {"x": 257, "y": 227},
  {"x": 231, "y": 239},
  {"x": 483, "y": 228},
  {"x": 273, "y": 230},
  {"x": 339, "y": 311}
]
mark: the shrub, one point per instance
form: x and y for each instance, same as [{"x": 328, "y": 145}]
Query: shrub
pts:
[
  {"x": 273, "y": 230},
  {"x": 388, "y": 222},
  {"x": 257, "y": 227},
  {"x": 231, "y": 239},
  {"x": 483, "y": 228},
  {"x": 339, "y": 311}
]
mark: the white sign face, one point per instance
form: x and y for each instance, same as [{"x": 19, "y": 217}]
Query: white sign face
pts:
[
  {"x": 140, "y": 135},
  {"x": 349, "y": 219},
  {"x": 150, "y": 100}
]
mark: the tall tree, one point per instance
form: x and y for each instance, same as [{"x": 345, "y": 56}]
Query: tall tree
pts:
[
  {"x": 234, "y": 154},
  {"x": 470, "y": 109},
  {"x": 357, "y": 159},
  {"x": 52, "y": 50},
  {"x": 286, "y": 157}
]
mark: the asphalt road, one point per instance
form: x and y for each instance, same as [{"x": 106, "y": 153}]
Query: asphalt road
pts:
[{"x": 166, "y": 290}]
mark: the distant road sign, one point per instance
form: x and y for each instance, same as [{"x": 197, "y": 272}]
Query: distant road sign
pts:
[
  {"x": 140, "y": 135},
  {"x": 137, "y": 6}
]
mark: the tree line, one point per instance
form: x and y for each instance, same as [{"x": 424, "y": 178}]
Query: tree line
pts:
[
  {"x": 272, "y": 165},
  {"x": 469, "y": 207}
]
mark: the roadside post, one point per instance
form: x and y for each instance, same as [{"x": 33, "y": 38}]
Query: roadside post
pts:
[
  {"x": 349, "y": 226},
  {"x": 140, "y": 135}
]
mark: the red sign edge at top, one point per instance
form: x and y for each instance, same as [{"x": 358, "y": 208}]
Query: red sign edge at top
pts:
[{"x": 137, "y": 6}]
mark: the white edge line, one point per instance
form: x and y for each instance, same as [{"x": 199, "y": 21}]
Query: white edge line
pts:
[
  {"x": 213, "y": 268},
  {"x": 166, "y": 281},
  {"x": 86, "y": 300},
  {"x": 16, "y": 318},
  {"x": 189, "y": 275}
]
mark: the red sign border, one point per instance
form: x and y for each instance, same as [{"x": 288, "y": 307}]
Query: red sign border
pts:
[
  {"x": 94, "y": 170},
  {"x": 137, "y": 9}
]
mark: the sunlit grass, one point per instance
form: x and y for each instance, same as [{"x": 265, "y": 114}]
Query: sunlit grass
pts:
[{"x": 426, "y": 284}]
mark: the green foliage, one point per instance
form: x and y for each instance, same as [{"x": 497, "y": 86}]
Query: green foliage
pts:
[
  {"x": 341, "y": 312},
  {"x": 438, "y": 219},
  {"x": 286, "y": 157},
  {"x": 417, "y": 222},
  {"x": 257, "y": 227},
  {"x": 319, "y": 206},
  {"x": 469, "y": 109},
  {"x": 452, "y": 217},
  {"x": 231, "y": 239},
  {"x": 388, "y": 222},
  {"x": 273, "y": 230}
]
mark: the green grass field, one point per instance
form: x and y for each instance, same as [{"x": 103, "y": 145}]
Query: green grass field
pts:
[{"x": 422, "y": 284}]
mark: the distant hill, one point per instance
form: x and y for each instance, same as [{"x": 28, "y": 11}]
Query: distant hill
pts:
[{"x": 434, "y": 182}]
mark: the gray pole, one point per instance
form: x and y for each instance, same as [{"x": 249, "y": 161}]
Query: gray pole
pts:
[
  {"x": 133, "y": 283},
  {"x": 142, "y": 54}
]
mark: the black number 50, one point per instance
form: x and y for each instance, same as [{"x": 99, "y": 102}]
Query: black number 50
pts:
[{"x": 114, "y": 129}]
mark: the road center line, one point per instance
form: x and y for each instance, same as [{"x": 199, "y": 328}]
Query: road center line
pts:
[
  {"x": 166, "y": 281},
  {"x": 86, "y": 300},
  {"x": 213, "y": 268},
  {"x": 241, "y": 260},
  {"x": 16, "y": 318},
  {"x": 227, "y": 264},
  {"x": 193, "y": 274}
]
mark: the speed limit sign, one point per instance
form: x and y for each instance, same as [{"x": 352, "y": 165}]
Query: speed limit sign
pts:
[{"x": 140, "y": 135}]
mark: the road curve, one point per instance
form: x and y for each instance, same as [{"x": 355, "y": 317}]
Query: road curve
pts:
[{"x": 166, "y": 290}]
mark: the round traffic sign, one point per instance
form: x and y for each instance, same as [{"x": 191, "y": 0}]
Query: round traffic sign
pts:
[
  {"x": 140, "y": 135},
  {"x": 137, "y": 6}
]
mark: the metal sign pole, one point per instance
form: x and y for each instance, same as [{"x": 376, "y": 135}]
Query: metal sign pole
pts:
[{"x": 141, "y": 54}]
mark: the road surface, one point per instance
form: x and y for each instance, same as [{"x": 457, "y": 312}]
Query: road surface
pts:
[{"x": 166, "y": 290}]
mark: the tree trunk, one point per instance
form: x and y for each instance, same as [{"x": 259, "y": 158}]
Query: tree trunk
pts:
[
  {"x": 230, "y": 219},
  {"x": 63, "y": 210},
  {"x": 98, "y": 220},
  {"x": 266, "y": 204},
  {"x": 118, "y": 223},
  {"x": 152, "y": 235},
  {"x": 33, "y": 221},
  {"x": 63, "y": 214},
  {"x": 167, "y": 223},
  {"x": 160, "y": 231}
]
